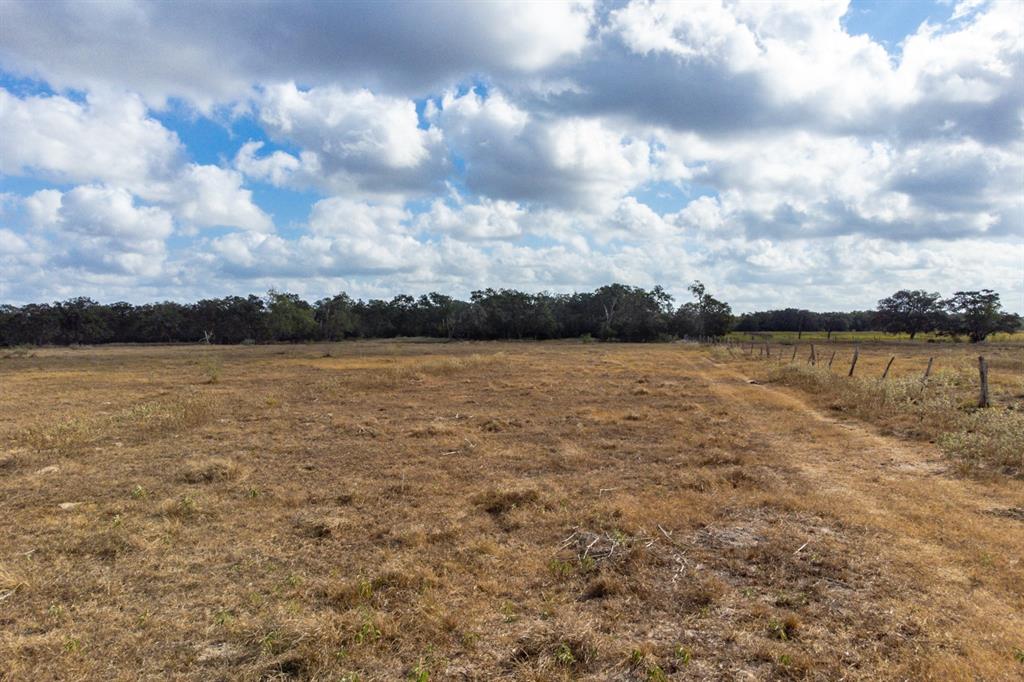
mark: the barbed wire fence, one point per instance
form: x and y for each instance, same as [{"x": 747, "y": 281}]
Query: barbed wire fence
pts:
[{"x": 763, "y": 350}]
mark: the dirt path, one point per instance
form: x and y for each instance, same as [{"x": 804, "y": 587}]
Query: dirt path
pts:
[{"x": 944, "y": 533}]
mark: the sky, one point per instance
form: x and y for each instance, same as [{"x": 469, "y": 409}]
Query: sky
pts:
[{"x": 813, "y": 154}]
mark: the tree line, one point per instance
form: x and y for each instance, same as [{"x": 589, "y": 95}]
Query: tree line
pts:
[
  {"x": 612, "y": 312},
  {"x": 974, "y": 315}
]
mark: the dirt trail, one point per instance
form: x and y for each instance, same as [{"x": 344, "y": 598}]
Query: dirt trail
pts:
[{"x": 940, "y": 529}]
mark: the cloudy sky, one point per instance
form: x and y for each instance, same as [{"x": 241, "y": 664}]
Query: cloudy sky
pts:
[{"x": 820, "y": 154}]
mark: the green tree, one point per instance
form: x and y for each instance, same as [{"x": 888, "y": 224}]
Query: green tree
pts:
[
  {"x": 909, "y": 312},
  {"x": 979, "y": 314},
  {"x": 336, "y": 317},
  {"x": 712, "y": 317},
  {"x": 289, "y": 318}
]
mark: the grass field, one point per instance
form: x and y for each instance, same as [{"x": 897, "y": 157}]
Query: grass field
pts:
[{"x": 481, "y": 511}]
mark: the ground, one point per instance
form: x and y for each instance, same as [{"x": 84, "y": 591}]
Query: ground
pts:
[{"x": 399, "y": 510}]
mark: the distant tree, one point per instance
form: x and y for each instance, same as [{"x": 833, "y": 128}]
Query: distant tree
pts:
[
  {"x": 82, "y": 321},
  {"x": 336, "y": 317},
  {"x": 714, "y": 317},
  {"x": 833, "y": 322},
  {"x": 440, "y": 314},
  {"x": 978, "y": 314},
  {"x": 909, "y": 312},
  {"x": 289, "y": 318}
]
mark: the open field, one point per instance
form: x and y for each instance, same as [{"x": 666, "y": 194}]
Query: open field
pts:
[{"x": 479, "y": 511}]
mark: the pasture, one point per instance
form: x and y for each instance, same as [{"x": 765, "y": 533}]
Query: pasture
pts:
[{"x": 488, "y": 511}]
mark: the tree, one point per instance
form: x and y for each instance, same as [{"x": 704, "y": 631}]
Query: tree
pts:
[
  {"x": 713, "y": 317},
  {"x": 833, "y": 322},
  {"x": 910, "y": 312},
  {"x": 336, "y": 317},
  {"x": 289, "y": 318},
  {"x": 978, "y": 314}
]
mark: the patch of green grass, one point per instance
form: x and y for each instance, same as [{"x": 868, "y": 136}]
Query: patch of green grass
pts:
[{"x": 564, "y": 655}]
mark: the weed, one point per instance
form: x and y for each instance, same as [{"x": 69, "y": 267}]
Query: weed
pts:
[
  {"x": 223, "y": 617},
  {"x": 564, "y": 655},
  {"x": 209, "y": 470},
  {"x": 499, "y": 502},
  {"x": 656, "y": 674},
  {"x": 181, "y": 508},
  {"x": 508, "y": 612},
  {"x": 988, "y": 437},
  {"x": 785, "y": 629},
  {"x": 561, "y": 569},
  {"x": 367, "y": 633},
  {"x": 212, "y": 367}
]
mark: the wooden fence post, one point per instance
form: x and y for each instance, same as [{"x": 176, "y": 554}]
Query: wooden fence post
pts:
[
  {"x": 767, "y": 350},
  {"x": 886, "y": 372},
  {"x": 794, "y": 354},
  {"x": 856, "y": 354},
  {"x": 830, "y": 361},
  {"x": 927, "y": 371},
  {"x": 983, "y": 400},
  {"x": 814, "y": 358}
]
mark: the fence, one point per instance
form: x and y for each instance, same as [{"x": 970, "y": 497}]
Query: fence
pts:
[{"x": 764, "y": 351}]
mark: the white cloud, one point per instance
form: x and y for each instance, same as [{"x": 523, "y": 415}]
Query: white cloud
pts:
[
  {"x": 208, "y": 196},
  {"x": 168, "y": 49},
  {"x": 351, "y": 142},
  {"x": 567, "y": 162},
  {"x": 488, "y": 219},
  {"x": 106, "y": 138},
  {"x": 102, "y": 230},
  {"x": 112, "y": 140},
  {"x": 818, "y": 167}
]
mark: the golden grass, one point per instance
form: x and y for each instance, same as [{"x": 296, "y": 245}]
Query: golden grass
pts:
[{"x": 485, "y": 511}]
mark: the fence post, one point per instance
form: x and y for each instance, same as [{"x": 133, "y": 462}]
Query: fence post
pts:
[
  {"x": 983, "y": 400},
  {"x": 830, "y": 361},
  {"x": 927, "y": 371},
  {"x": 814, "y": 358},
  {"x": 794, "y": 354},
  {"x": 767, "y": 350},
  {"x": 886, "y": 372},
  {"x": 856, "y": 354}
]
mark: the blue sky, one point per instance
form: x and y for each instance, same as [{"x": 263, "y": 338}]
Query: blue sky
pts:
[{"x": 812, "y": 154}]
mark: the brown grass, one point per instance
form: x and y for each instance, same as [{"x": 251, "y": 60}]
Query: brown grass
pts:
[{"x": 535, "y": 511}]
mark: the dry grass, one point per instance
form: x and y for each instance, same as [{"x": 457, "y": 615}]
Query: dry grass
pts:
[
  {"x": 943, "y": 408},
  {"x": 555, "y": 511}
]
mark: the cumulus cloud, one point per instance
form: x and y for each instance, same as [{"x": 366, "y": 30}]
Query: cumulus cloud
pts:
[
  {"x": 488, "y": 219},
  {"x": 106, "y": 138},
  {"x": 350, "y": 142},
  {"x": 113, "y": 140},
  {"x": 567, "y": 162},
  {"x": 101, "y": 229},
  {"x": 169, "y": 49},
  {"x": 759, "y": 146},
  {"x": 344, "y": 238},
  {"x": 208, "y": 196}
]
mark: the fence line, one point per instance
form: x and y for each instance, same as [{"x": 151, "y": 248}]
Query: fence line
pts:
[{"x": 765, "y": 353}]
